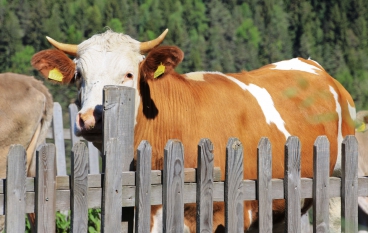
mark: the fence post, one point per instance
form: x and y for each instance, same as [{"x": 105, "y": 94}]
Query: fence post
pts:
[
  {"x": 45, "y": 188},
  {"x": 143, "y": 188},
  {"x": 58, "y": 130},
  {"x": 292, "y": 185},
  {"x": 118, "y": 149},
  {"x": 15, "y": 190},
  {"x": 321, "y": 173},
  {"x": 234, "y": 202},
  {"x": 349, "y": 185},
  {"x": 205, "y": 186},
  {"x": 264, "y": 185},
  {"x": 79, "y": 188},
  {"x": 172, "y": 188}
]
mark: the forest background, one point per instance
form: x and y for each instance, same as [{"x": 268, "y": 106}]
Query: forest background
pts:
[{"x": 227, "y": 36}]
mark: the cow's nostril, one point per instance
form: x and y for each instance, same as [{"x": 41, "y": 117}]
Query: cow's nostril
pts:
[{"x": 80, "y": 121}]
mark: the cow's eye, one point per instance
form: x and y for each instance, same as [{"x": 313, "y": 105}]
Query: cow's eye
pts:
[{"x": 129, "y": 75}]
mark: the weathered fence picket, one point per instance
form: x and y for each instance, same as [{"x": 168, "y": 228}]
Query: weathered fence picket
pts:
[
  {"x": 234, "y": 200},
  {"x": 79, "y": 188},
  {"x": 349, "y": 185},
  {"x": 321, "y": 161},
  {"x": 264, "y": 185},
  {"x": 16, "y": 189},
  {"x": 204, "y": 186},
  {"x": 45, "y": 203},
  {"x": 173, "y": 187},
  {"x": 292, "y": 185},
  {"x": 118, "y": 189},
  {"x": 143, "y": 188}
]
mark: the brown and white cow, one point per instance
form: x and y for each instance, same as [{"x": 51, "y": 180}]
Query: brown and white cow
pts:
[
  {"x": 26, "y": 108},
  {"x": 293, "y": 97}
]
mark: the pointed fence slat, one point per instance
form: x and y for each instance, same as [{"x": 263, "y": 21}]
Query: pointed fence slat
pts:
[
  {"x": 264, "y": 188},
  {"x": 349, "y": 185},
  {"x": 172, "y": 190},
  {"x": 143, "y": 188},
  {"x": 57, "y": 122},
  {"x": 45, "y": 188},
  {"x": 79, "y": 188},
  {"x": 234, "y": 201},
  {"x": 205, "y": 186},
  {"x": 292, "y": 185},
  {"x": 321, "y": 161},
  {"x": 16, "y": 189}
]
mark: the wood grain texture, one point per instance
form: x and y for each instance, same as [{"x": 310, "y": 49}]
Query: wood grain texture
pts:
[
  {"x": 79, "y": 188},
  {"x": 73, "y": 111},
  {"x": 112, "y": 191},
  {"x": 204, "y": 190},
  {"x": 173, "y": 184},
  {"x": 292, "y": 185},
  {"x": 349, "y": 185},
  {"x": 143, "y": 188},
  {"x": 234, "y": 204},
  {"x": 264, "y": 187},
  {"x": 118, "y": 117},
  {"x": 57, "y": 124},
  {"x": 321, "y": 161},
  {"x": 16, "y": 174},
  {"x": 45, "y": 187}
]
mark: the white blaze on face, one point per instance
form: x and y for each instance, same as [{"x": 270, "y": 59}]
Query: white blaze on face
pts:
[
  {"x": 107, "y": 59},
  {"x": 337, "y": 169},
  {"x": 295, "y": 64}
]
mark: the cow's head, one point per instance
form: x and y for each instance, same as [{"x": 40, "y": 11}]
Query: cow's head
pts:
[{"x": 109, "y": 58}]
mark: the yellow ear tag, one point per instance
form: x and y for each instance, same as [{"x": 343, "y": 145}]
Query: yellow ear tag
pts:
[
  {"x": 160, "y": 70},
  {"x": 55, "y": 74},
  {"x": 361, "y": 127}
]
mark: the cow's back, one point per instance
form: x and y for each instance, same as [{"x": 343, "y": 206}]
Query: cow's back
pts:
[{"x": 25, "y": 114}]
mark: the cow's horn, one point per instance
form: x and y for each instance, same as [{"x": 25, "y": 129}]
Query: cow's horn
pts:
[
  {"x": 147, "y": 46},
  {"x": 70, "y": 49}
]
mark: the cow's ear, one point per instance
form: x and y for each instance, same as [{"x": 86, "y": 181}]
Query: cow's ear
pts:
[
  {"x": 54, "y": 65},
  {"x": 161, "y": 61}
]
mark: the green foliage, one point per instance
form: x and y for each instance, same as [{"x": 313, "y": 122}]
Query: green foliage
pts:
[
  {"x": 227, "y": 36},
  {"x": 94, "y": 220},
  {"x": 20, "y": 60},
  {"x": 63, "y": 224}
]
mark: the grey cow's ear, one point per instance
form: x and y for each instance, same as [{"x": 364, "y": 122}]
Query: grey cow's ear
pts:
[{"x": 160, "y": 62}]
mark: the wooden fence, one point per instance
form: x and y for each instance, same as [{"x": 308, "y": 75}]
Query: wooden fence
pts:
[{"x": 118, "y": 187}]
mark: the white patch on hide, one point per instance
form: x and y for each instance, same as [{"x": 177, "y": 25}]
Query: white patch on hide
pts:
[
  {"x": 265, "y": 101},
  {"x": 295, "y": 64},
  {"x": 337, "y": 169}
]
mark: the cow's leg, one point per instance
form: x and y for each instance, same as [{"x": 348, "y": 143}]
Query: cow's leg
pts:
[
  {"x": 156, "y": 220},
  {"x": 31, "y": 168},
  {"x": 335, "y": 215}
]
